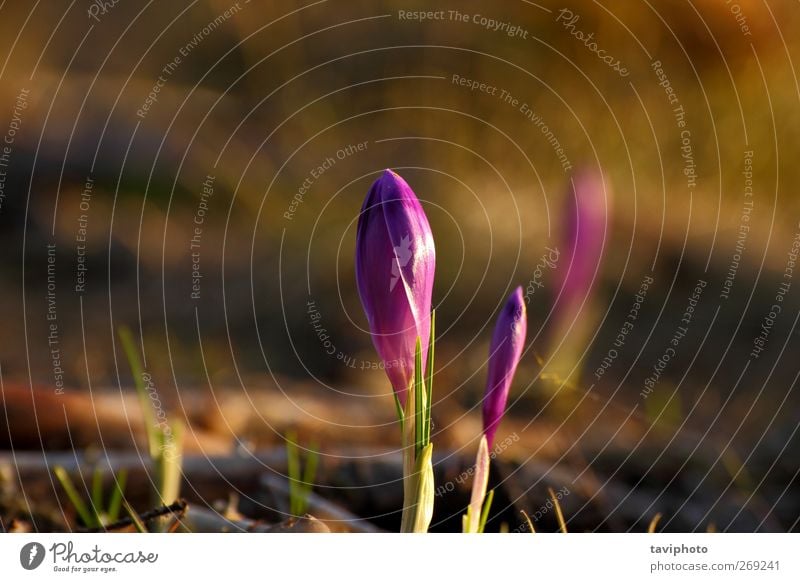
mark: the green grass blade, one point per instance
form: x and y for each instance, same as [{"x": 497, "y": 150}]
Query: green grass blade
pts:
[
  {"x": 424, "y": 497},
  {"x": 309, "y": 474},
  {"x": 562, "y": 524},
  {"x": 485, "y": 511},
  {"x": 429, "y": 387},
  {"x": 87, "y": 517},
  {"x": 137, "y": 521},
  {"x": 528, "y": 521},
  {"x": 400, "y": 414},
  {"x": 129, "y": 347},
  {"x": 115, "y": 503},
  {"x": 293, "y": 468},
  {"x": 419, "y": 401},
  {"x": 97, "y": 494},
  {"x": 398, "y": 406},
  {"x": 169, "y": 463}
]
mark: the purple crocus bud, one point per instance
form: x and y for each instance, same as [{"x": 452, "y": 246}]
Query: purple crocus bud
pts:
[
  {"x": 504, "y": 354},
  {"x": 585, "y": 227},
  {"x": 395, "y": 263}
]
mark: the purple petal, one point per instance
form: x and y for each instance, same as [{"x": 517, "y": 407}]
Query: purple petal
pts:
[
  {"x": 585, "y": 231},
  {"x": 395, "y": 264},
  {"x": 504, "y": 355}
]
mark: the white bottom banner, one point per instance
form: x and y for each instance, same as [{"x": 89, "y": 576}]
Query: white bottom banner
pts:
[{"x": 355, "y": 557}]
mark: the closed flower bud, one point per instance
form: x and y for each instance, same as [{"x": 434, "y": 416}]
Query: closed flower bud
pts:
[
  {"x": 585, "y": 224},
  {"x": 395, "y": 264},
  {"x": 504, "y": 355}
]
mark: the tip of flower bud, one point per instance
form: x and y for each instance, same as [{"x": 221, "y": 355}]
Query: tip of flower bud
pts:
[
  {"x": 519, "y": 296},
  {"x": 515, "y": 307},
  {"x": 389, "y": 186},
  {"x": 392, "y": 179}
]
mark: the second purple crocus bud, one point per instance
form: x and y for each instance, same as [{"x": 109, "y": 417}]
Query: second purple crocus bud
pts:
[
  {"x": 504, "y": 355},
  {"x": 586, "y": 225},
  {"x": 395, "y": 264}
]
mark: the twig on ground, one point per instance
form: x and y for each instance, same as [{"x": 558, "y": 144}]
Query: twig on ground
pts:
[{"x": 178, "y": 509}]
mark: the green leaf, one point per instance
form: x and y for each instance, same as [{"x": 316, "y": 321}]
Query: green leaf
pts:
[
  {"x": 97, "y": 494},
  {"x": 137, "y": 521},
  {"x": 87, "y": 517},
  {"x": 115, "y": 503},
  {"x": 293, "y": 468},
  {"x": 429, "y": 387},
  {"x": 398, "y": 406},
  {"x": 419, "y": 401},
  {"x": 309, "y": 473},
  {"x": 425, "y": 494},
  {"x": 485, "y": 512},
  {"x": 409, "y": 463},
  {"x": 164, "y": 444},
  {"x": 169, "y": 463},
  {"x": 562, "y": 524},
  {"x": 528, "y": 521},
  {"x": 300, "y": 486},
  {"x": 400, "y": 414},
  {"x": 131, "y": 353}
]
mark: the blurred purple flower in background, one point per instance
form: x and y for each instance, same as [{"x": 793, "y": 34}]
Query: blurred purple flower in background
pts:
[
  {"x": 504, "y": 354},
  {"x": 585, "y": 227},
  {"x": 395, "y": 264}
]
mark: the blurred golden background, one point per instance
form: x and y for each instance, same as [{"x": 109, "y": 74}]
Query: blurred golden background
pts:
[{"x": 195, "y": 170}]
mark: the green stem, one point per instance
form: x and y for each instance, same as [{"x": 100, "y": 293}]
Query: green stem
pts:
[
  {"x": 485, "y": 512},
  {"x": 87, "y": 517},
  {"x": 115, "y": 503},
  {"x": 409, "y": 462},
  {"x": 417, "y": 454},
  {"x": 430, "y": 378}
]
